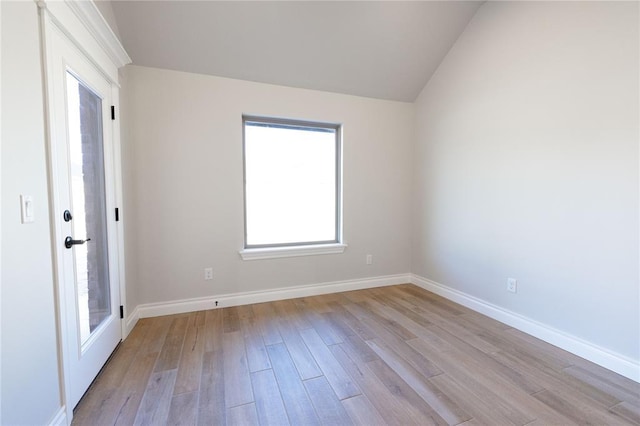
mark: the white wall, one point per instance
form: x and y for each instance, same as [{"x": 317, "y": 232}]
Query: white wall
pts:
[
  {"x": 526, "y": 166},
  {"x": 30, "y": 387},
  {"x": 186, "y": 182}
]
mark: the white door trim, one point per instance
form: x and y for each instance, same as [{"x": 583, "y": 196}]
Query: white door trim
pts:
[{"x": 82, "y": 24}]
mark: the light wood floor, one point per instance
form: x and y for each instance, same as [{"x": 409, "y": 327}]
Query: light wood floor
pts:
[{"x": 395, "y": 355}]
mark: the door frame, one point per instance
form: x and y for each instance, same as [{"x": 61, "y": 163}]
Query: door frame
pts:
[{"x": 81, "y": 23}]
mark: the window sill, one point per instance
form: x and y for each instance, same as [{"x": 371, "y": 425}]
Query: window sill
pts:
[{"x": 293, "y": 251}]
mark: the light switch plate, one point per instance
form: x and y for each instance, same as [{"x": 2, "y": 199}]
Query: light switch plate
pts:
[{"x": 26, "y": 208}]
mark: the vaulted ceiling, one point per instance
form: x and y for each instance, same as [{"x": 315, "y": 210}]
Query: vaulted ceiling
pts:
[{"x": 379, "y": 49}]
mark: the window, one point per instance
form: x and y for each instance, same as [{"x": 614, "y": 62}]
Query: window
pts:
[{"x": 292, "y": 184}]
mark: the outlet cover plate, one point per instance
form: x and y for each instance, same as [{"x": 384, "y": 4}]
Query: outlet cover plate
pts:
[{"x": 208, "y": 273}]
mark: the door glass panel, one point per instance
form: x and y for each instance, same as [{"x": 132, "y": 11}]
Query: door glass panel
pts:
[{"x": 88, "y": 206}]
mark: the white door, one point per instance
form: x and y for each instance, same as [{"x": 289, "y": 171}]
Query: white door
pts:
[{"x": 83, "y": 177}]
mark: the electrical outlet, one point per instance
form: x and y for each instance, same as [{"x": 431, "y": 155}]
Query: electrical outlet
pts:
[
  {"x": 512, "y": 285},
  {"x": 369, "y": 259},
  {"x": 208, "y": 273}
]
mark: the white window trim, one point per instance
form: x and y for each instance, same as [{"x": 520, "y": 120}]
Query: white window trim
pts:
[
  {"x": 291, "y": 251},
  {"x": 301, "y": 248}
]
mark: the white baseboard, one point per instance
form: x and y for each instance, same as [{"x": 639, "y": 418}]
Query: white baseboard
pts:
[
  {"x": 613, "y": 361},
  {"x": 132, "y": 320},
  {"x": 60, "y": 418},
  {"x": 235, "y": 299}
]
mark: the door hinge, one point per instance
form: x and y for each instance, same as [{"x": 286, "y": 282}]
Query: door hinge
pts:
[
  {"x": 121, "y": 312},
  {"x": 113, "y": 112},
  {"x": 117, "y": 214}
]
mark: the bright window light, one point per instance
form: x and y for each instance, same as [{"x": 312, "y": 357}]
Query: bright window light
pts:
[{"x": 292, "y": 182}]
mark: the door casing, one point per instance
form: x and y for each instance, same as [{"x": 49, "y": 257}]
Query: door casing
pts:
[{"x": 77, "y": 22}]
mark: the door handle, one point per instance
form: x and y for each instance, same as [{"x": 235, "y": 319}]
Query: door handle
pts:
[{"x": 70, "y": 242}]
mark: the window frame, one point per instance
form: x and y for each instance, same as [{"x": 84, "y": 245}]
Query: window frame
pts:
[{"x": 252, "y": 251}]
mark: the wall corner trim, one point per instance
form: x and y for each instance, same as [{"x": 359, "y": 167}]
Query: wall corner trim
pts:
[
  {"x": 60, "y": 418},
  {"x": 613, "y": 361},
  {"x": 235, "y": 299}
]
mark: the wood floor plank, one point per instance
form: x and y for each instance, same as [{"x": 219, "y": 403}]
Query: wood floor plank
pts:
[
  {"x": 395, "y": 411},
  {"x": 340, "y": 381},
  {"x": 607, "y": 387},
  {"x": 544, "y": 353},
  {"x": 415, "y": 319},
  {"x": 242, "y": 415},
  {"x": 351, "y": 321},
  {"x": 434, "y": 301},
  {"x": 374, "y": 311},
  {"x": 358, "y": 349},
  {"x": 471, "y": 403},
  {"x": 319, "y": 304},
  {"x": 123, "y": 357},
  {"x": 474, "y": 359},
  {"x": 453, "y": 331},
  {"x": 421, "y": 330},
  {"x": 156, "y": 334},
  {"x": 362, "y": 412},
  {"x": 269, "y": 405},
  {"x": 213, "y": 330},
  {"x": 606, "y": 376},
  {"x": 474, "y": 422},
  {"x": 231, "y": 319},
  {"x": 483, "y": 320},
  {"x": 576, "y": 410},
  {"x": 302, "y": 358},
  {"x": 440, "y": 402},
  {"x": 257, "y": 357},
  {"x": 211, "y": 406},
  {"x": 314, "y": 312},
  {"x": 627, "y": 411},
  {"x": 237, "y": 391},
  {"x": 183, "y": 409},
  {"x": 501, "y": 381},
  {"x": 420, "y": 304},
  {"x": 559, "y": 382},
  {"x": 190, "y": 365},
  {"x": 154, "y": 408},
  {"x": 480, "y": 388},
  {"x": 296, "y": 401},
  {"x": 92, "y": 406},
  {"x": 104, "y": 405},
  {"x": 404, "y": 392},
  {"x": 388, "y": 300},
  {"x": 328, "y": 407},
  {"x": 415, "y": 358},
  {"x": 339, "y": 327},
  {"x": 201, "y": 318},
  {"x": 355, "y": 296},
  {"x": 536, "y": 361},
  {"x": 266, "y": 318},
  {"x": 287, "y": 308},
  {"x": 132, "y": 391},
  {"x": 172, "y": 347}
]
